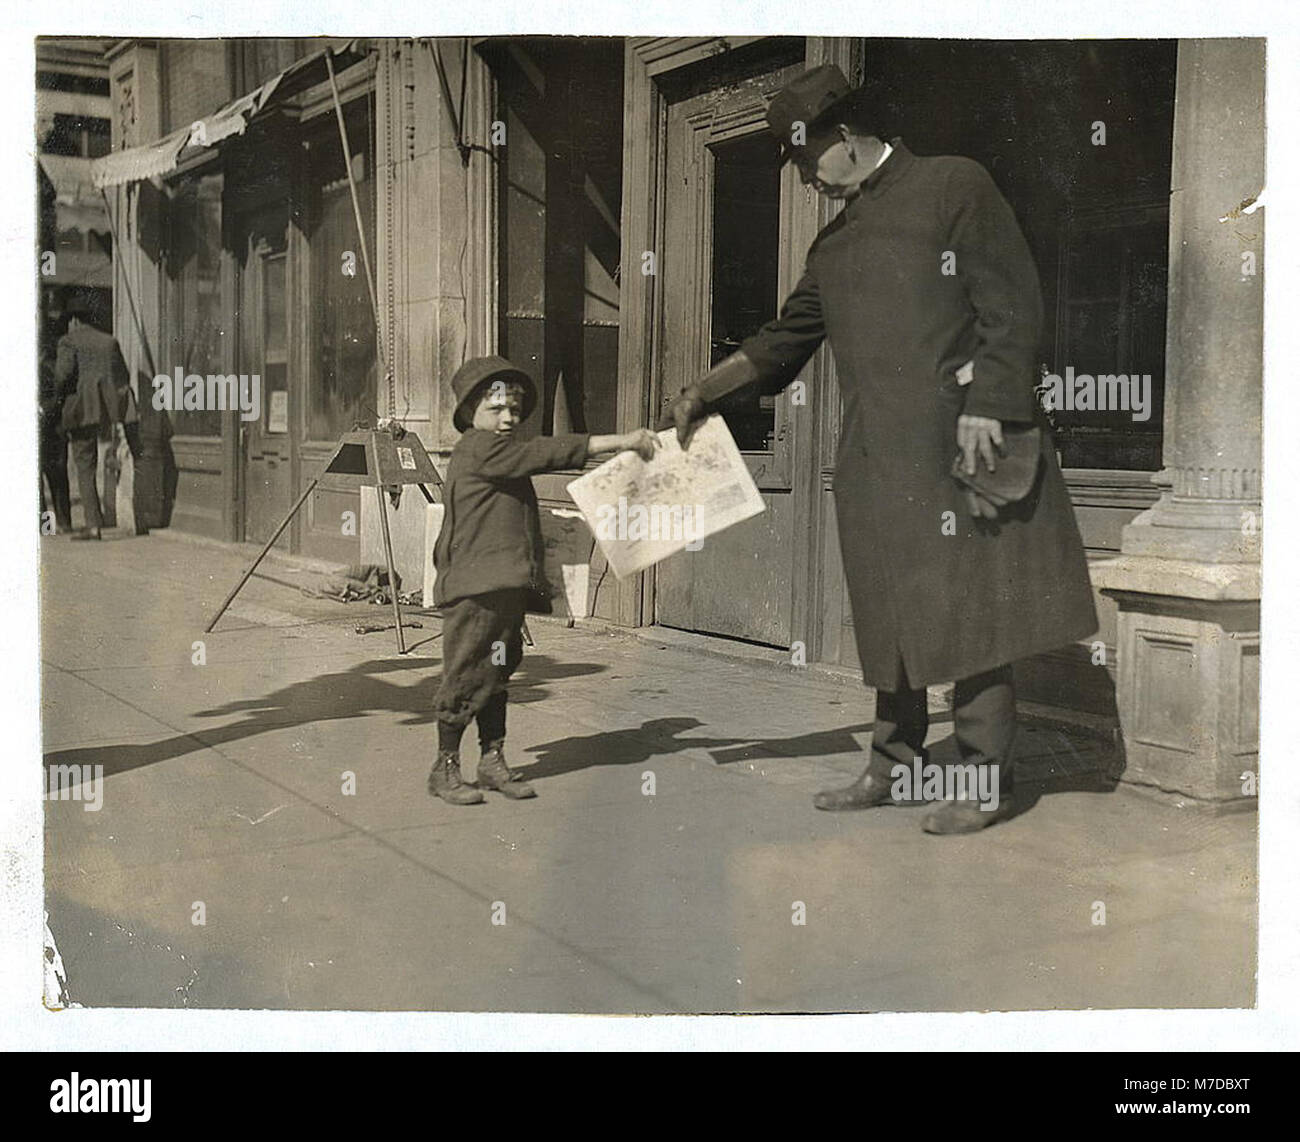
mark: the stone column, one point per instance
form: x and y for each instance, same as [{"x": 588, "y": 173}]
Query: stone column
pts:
[
  {"x": 429, "y": 262},
  {"x": 135, "y": 92},
  {"x": 1187, "y": 581}
]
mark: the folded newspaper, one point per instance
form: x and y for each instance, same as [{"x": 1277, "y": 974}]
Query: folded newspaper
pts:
[{"x": 643, "y": 511}]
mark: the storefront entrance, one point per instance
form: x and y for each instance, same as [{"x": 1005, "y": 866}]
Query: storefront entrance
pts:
[
  {"x": 263, "y": 351},
  {"x": 726, "y": 265}
]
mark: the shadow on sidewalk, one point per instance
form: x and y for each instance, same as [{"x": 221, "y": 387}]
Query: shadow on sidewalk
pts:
[
  {"x": 1046, "y": 762},
  {"x": 358, "y": 692},
  {"x": 660, "y": 737}
]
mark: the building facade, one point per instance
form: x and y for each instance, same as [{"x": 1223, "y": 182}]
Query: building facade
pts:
[
  {"x": 73, "y": 127},
  {"x": 610, "y": 214}
]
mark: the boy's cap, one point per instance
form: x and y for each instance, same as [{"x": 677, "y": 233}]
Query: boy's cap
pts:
[{"x": 479, "y": 369}]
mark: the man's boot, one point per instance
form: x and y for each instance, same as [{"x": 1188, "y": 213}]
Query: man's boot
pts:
[
  {"x": 445, "y": 782},
  {"x": 984, "y": 715},
  {"x": 866, "y": 793},
  {"x": 954, "y": 817},
  {"x": 494, "y": 773}
]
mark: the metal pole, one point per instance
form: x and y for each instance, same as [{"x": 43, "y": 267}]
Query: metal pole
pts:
[
  {"x": 392, "y": 575},
  {"x": 261, "y": 555}
]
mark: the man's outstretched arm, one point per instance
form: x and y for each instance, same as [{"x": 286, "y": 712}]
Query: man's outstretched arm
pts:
[{"x": 771, "y": 358}]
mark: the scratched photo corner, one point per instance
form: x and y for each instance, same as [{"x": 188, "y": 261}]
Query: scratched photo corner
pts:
[{"x": 653, "y": 525}]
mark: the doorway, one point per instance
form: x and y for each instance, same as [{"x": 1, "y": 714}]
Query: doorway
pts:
[
  {"x": 728, "y": 210},
  {"x": 263, "y": 351}
]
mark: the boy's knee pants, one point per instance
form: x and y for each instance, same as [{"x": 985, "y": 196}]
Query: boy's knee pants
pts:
[{"x": 482, "y": 645}]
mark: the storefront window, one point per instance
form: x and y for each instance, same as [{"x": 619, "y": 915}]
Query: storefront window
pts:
[
  {"x": 746, "y": 246},
  {"x": 1087, "y": 171},
  {"x": 560, "y": 179},
  {"x": 192, "y": 334},
  {"x": 1112, "y": 315},
  {"x": 343, "y": 377}
]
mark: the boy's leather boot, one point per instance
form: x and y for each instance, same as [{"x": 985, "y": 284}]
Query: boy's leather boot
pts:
[
  {"x": 494, "y": 773},
  {"x": 445, "y": 782}
]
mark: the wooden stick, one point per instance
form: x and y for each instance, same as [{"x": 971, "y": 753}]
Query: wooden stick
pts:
[
  {"x": 262, "y": 555},
  {"x": 392, "y": 575}
]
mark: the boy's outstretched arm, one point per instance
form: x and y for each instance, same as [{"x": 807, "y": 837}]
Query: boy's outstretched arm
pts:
[
  {"x": 504, "y": 458},
  {"x": 640, "y": 440}
]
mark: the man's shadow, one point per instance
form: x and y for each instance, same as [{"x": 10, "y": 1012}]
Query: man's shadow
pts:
[
  {"x": 360, "y": 691},
  {"x": 1047, "y": 764},
  {"x": 660, "y": 737}
]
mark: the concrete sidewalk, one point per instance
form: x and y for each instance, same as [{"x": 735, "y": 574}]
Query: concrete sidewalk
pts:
[{"x": 224, "y": 796}]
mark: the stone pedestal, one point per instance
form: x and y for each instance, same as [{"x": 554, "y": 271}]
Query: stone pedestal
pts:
[
  {"x": 1188, "y": 689},
  {"x": 1187, "y": 583}
]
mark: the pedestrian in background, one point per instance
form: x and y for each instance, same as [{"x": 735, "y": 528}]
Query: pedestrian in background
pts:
[
  {"x": 92, "y": 381},
  {"x": 52, "y": 443}
]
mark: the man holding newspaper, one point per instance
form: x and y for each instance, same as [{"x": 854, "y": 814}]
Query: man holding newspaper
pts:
[{"x": 961, "y": 551}]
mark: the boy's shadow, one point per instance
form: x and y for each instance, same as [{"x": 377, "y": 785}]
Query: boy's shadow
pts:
[{"x": 375, "y": 687}]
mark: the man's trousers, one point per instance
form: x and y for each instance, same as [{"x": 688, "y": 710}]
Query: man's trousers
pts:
[
  {"x": 84, "y": 443},
  {"x": 984, "y": 717},
  {"x": 54, "y": 472}
]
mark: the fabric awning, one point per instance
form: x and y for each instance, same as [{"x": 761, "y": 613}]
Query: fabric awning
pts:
[{"x": 136, "y": 163}]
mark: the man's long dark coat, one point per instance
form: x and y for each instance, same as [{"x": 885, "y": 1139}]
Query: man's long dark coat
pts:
[{"x": 945, "y": 606}]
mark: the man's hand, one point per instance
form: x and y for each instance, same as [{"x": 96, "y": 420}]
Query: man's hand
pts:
[
  {"x": 685, "y": 413},
  {"x": 979, "y": 506},
  {"x": 979, "y": 436}
]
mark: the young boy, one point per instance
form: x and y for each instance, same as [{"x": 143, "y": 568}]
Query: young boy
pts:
[{"x": 489, "y": 562}]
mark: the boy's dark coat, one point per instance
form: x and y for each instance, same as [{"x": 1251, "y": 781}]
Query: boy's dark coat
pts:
[
  {"x": 491, "y": 535},
  {"x": 952, "y": 605}
]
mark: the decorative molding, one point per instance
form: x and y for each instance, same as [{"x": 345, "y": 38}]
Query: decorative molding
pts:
[{"x": 1217, "y": 484}]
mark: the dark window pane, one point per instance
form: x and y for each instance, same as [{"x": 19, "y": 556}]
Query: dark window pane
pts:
[
  {"x": 1112, "y": 310},
  {"x": 558, "y": 210},
  {"x": 343, "y": 373},
  {"x": 193, "y": 336},
  {"x": 746, "y": 231}
]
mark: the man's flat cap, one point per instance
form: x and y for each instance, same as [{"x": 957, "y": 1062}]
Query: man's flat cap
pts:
[{"x": 809, "y": 101}]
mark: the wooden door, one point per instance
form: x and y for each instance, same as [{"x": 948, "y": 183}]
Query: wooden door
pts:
[
  {"x": 725, "y": 270},
  {"x": 263, "y": 350}
]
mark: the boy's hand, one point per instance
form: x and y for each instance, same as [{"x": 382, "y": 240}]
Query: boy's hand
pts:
[{"x": 641, "y": 441}]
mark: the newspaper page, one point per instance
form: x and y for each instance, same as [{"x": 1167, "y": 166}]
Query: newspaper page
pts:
[{"x": 643, "y": 511}]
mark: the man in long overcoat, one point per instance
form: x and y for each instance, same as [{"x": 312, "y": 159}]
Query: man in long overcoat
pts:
[{"x": 927, "y": 291}]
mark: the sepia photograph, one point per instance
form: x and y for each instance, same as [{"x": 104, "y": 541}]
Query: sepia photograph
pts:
[{"x": 662, "y": 525}]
